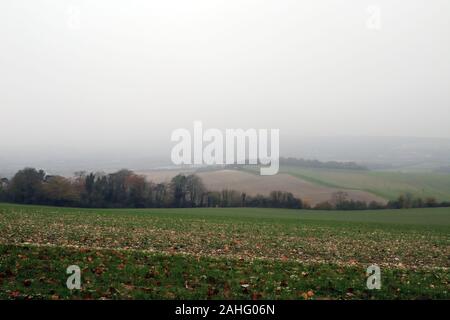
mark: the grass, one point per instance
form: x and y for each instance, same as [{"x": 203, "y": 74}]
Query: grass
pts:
[
  {"x": 223, "y": 253},
  {"x": 388, "y": 185}
]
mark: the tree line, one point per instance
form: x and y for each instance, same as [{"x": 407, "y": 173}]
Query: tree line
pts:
[
  {"x": 319, "y": 164},
  {"x": 125, "y": 189},
  {"x": 341, "y": 201}
]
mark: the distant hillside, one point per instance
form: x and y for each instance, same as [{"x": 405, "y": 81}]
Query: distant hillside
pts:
[
  {"x": 388, "y": 185},
  {"x": 418, "y": 154},
  {"x": 445, "y": 169}
]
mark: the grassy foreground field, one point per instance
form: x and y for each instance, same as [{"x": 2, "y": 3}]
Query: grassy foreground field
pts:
[{"x": 223, "y": 253}]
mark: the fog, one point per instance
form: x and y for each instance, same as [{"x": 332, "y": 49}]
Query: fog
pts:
[{"x": 104, "y": 78}]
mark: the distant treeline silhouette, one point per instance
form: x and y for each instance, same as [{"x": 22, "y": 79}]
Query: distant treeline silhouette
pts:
[
  {"x": 340, "y": 201},
  {"x": 319, "y": 164},
  {"x": 125, "y": 189}
]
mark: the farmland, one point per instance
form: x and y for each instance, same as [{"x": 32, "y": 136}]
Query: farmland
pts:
[
  {"x": 315, "y": 185},
  {"x": 215, "y": 253},
  {"x": 253, "y": 184},
  {"x": 388, "y": 185}
]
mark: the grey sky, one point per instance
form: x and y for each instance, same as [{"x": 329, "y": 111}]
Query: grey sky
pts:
[{"x": 129, "y": 72}]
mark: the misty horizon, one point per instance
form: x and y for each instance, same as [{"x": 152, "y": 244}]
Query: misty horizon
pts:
[
  {"x": 95, "y": 83},
  {"x": 384, "y": 152}
]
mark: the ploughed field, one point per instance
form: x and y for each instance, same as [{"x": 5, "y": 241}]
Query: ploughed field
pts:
[{"x": 221, "y": 253}]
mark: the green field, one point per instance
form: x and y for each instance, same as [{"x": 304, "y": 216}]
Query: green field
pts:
[
  {"x": 218, "y": 253},
  {"x": 388, "y": 185}
]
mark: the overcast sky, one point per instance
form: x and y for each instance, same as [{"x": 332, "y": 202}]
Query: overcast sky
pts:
[{"x": 97, "y": 74}]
